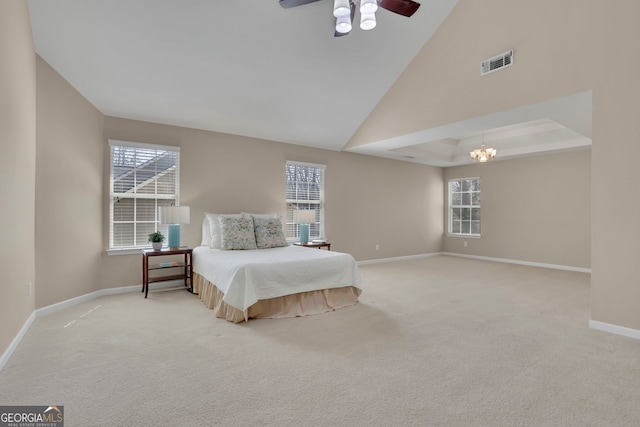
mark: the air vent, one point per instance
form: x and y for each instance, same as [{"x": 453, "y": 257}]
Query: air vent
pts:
[{"x": 496, "y": 63}]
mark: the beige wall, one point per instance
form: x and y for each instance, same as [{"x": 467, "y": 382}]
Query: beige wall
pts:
[
  {"x": 17, "y": 163},
  {"x": 69, "y": 197},
  {"x": 615, "y": 283},
  {"x": 369, "y": 201},
  {"x": 561, "y": 48},
  {"x": 534, "y": 209}
]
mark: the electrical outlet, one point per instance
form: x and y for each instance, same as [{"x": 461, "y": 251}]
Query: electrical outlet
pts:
[
  {"x": 377, "y": 247},
  {"x": 465, "y": 244}
]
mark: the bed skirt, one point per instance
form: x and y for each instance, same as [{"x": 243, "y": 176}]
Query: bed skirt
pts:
[{"x": 301, "y": 304}]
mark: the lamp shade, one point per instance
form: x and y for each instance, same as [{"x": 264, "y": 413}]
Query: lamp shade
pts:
[
  {"x": 304, "y": 216},
  {"x": 174, "y": 214}
]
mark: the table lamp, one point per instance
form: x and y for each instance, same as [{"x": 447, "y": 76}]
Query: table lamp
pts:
[
  {"x": 174, "y": 216},
  {"x": 304, "y": 217}
]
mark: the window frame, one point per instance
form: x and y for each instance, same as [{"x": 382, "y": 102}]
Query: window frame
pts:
[
  {"x": 471, "y": 206},
  {"x": 316, "y": 230},
  {"x": 164, "y": 198}
]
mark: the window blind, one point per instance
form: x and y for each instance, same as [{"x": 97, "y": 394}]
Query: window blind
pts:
[{"x": 143, "y": 177}]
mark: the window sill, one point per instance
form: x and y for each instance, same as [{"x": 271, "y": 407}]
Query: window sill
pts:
[
  {"x": 130, "y": 251},
  {"x": 465, "y": 236}
]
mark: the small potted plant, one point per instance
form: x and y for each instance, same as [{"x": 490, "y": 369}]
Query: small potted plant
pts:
[{"x": 156, "y": 238}]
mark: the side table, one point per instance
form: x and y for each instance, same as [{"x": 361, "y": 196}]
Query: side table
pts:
[
  {"x": 315, "y": 245},
  {"x": 186, "y": 266}
]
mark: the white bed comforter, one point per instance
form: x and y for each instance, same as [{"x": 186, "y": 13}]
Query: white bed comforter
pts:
[{"x": 251, "y": 275}]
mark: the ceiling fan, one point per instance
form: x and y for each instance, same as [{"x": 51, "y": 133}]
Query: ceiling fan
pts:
[{"x": 345, "y": 10}]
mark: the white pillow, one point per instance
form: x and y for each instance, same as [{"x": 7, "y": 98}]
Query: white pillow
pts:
[
  {"x": 214, "y": 229},
  {"x": 206, "y": 231}
]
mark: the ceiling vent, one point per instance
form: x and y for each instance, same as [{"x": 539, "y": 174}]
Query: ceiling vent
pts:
[{"x": 496, "y": 63}]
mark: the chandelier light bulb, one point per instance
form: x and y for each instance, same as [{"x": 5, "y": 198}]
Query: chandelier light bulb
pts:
[
  {"x": 341, "y": 8},
  {"x": 367, "y": 21},
  {"x": 368, "y": 6},
  {"x": 343, "y": 24}
]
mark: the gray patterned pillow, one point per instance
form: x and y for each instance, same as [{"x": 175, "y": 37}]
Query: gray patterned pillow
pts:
[
  {"x": 236, "y": 233},
  {"x": 269, "y": 233}
]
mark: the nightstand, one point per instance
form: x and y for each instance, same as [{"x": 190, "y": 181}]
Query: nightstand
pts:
[
  {"x": 315, "y": 245},
  {"x": 186, "y": 267}
]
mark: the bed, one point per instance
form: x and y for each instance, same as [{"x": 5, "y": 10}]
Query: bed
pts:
[{"x": 269, "y": 280}]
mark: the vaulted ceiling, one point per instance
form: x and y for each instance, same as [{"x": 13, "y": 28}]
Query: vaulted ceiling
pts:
[{"x": 255, "y": 69}]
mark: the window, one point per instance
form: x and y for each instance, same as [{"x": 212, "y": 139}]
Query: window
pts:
[
  {"x": 464, "y": 207},
  {"x": 305, "y": 190},
  {"x": 143, "y": 177}
]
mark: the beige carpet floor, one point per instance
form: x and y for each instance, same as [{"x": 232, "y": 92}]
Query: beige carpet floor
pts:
[{"x": 437, "y": 341}]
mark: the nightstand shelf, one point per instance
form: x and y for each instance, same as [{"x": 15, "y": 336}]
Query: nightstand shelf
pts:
[{"x": 186, "y": 267}]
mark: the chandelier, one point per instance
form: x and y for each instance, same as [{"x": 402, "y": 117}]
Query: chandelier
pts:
[{"x": 483, "y": 154}]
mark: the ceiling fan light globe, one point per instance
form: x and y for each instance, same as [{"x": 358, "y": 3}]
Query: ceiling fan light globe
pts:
[
  {"x": 368, "y": 6},
  {"x": 367, "y": 21},
  {"x": 343, "y": 24},
  {"x": 341, "y": 8}
]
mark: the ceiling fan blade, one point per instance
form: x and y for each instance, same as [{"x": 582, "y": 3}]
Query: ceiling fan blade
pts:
[
  {"x": 352, "y": 5},
  {"x": 293, "y": 3},
  {"x": 401, "y": 7}
]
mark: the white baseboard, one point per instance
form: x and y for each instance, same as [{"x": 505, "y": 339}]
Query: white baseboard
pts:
[
  {"x": 614, "y": 329},
  {"x": 401, "y": 258},
  {"x": 16, "y": 341},
  {"x": 527, "y": 263},
  {"x": 102, "y": 292},
  {"x": 72, "y": 302}
]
